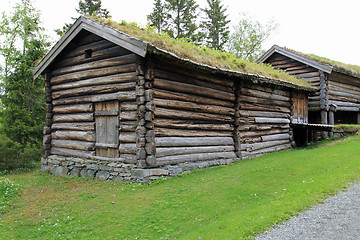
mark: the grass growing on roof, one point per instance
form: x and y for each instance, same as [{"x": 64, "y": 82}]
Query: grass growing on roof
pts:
[
  {"x": 229, "y": 202},
  {"x": 203, "y": 55}
]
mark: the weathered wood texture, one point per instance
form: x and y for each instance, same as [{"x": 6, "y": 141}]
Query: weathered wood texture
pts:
[
  {"x": 264, "y": 118},
  {"x": 193, "y": 115},
  {"x": 93, "y": 100},
  {"x": 299, "y": 70}
]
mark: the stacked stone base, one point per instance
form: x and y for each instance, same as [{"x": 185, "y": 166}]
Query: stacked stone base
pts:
[{"x": 79, "y": 167}]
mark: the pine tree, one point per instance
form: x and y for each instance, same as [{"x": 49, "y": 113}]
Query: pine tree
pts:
[
  {"x": 86, "y": 7},
  {"x": 157, "y": 17},
  {"x": 216, "y": 26},
  {"x": 22, "y": 97},
  {"x": 181, "y": 19}
]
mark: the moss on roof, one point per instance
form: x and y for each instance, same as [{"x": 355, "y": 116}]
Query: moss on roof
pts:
[
  {"x": 338, "y": 66},
  {"x": 202, "y": 55}
]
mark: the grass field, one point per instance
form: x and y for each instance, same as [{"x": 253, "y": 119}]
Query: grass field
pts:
[{"x": 228, "y": 202}]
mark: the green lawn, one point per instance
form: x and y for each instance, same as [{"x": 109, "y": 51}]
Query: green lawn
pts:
[{"x": 228, "y": 202}]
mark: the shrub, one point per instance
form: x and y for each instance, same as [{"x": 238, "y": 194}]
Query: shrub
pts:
[{"x": 13, "y": 155}]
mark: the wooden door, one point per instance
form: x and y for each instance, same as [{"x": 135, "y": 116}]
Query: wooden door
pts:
[{"x": 107, "y": 129}]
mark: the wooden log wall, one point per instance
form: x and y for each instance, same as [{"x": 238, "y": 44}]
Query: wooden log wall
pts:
[
  {"x": 264, "y": 119},
  {"x": 299, "y": 70},
  {"x": 91, "y": 70},
  {"x": 344, "y": 92},
  {"x": 193, "y": 115}
]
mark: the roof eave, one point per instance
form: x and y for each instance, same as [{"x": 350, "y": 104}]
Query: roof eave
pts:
[
  {"x": 295, "y": 56},
  {"x": 83, "y": 23}
]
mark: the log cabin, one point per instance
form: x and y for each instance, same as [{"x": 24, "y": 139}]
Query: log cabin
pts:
[
  {"x": 121, "y": 108},
  {"x": 337, "y": 99}
]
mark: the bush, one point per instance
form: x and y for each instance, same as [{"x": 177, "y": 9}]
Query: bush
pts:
[{"x": 13, "y": 155}]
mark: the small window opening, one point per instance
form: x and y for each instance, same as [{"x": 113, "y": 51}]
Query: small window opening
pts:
[{"x": 88, "y": 53}]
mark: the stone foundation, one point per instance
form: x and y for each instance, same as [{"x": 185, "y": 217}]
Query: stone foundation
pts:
[{"x": 79, "y": 167}]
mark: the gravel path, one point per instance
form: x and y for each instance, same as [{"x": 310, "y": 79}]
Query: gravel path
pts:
[{"x": 337, "y": 218}]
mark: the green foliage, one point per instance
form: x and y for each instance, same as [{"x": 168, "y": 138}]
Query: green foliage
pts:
[
  {"x": 22, "y": 97},
  {"x": 229, "y": 202},
  {"x": 8, "y": 193},
  {"x": 14, "y": 155},
  {"x": 181, "y": 17},
  {"x": 86, "y": 8},
  {"x": 202, "y": 55},
  {"x": 248, "y": 36},
  {"x": 157, "y": 16},
  {"x": 216, "y": 26}
]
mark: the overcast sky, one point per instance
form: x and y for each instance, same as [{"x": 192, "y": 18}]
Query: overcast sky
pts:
[{"x": 327, "y": 28}]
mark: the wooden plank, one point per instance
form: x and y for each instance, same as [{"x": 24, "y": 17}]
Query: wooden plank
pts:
[
  {"x": 167, "y": 132},
  {"x": 186, "y": 124},
  {"x": 117, "y": 78},
  {"x": 122, "y": 96},
  {"x": 178, "y": 114},
  {"x": 196, "y": 107},
  {"x": 194, "y": 157},
  {"x": 93, "y": 90},
  {"x": 163, "y": 94},
  {"x": 193, "y": 141},
  {"x": 83, "y": 126},
  {"x": 74, "y": 117},
  {"x": 92, "y": 73},
  {"x": 271, "y": 120},
  {"x": 197, "y": 90},
  {"x": 87, "y": 107},
  {"x": 172, "y": 151},
  {"x": 275, "y": 137},
  {"x": 107, "y": 62},
  {"x": 74, "y": 135},
  {"x": 72, "y": 144}
]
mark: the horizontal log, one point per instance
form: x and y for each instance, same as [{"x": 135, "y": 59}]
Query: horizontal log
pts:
[
  {"x": 92, "y": 73},
  {"x": 93, "y": 90},
  {"x": 194, "y": 158},
  {"x": 74, "y": 117},
  {"x": 72, "y": 152},
  {"x": 261, "y": 107},
  {"x": 132, "y": 106},
  {"x": 163, "y": 94},
  {"x": 308, "y": 75},
  {"x": 177, "y": 114},
  {"x": 83, "y": 126},
  {"x": 258, "y": 133},
  {"x": 261, "y": 88},
  {"x": 265, "y": 114},
  {"x": 271, "y": 120},
  {"x": 164, "y": 65},
  {"x": 191, "y": 106},
  {"x": 193, "y": 89},
  {"x": 122, "y": 96},
  {"x": 193, "y": 141},
  {"x": 108, "y": 62},
  {"x": 105, "y": 53},
  {"x": 131, "y": 115},
  {"x": 262, "y": 127},
  {"x": 85, "y": 43},
  {"x": 265, "y": 150},
  {"x": 172, "y": 151},
  {"x": 186, "y": 124},
  {"x": 344, "y": 94},
  {"x": 190, "y": 80},
  {"x": 344, "y": 88},
  {"x": 275, "y": 137},
  {"x": 348, "y": 109},
  {"x": 265, "y": 95},
  {"x": 263, "y": 101},
  {"x": 350, "y": 84},
  {"x": 74, "y": 135},
  {"x": 127, "y": 137},
  {"x": 167, "y": 132},
  {"x": 343, "y": 99},
  {"x": 128, "y": 126},
  {"x": 344, "y": 104},
  {"x": 127, "y": 148},
  {"x": 72, "y": 144},
  {"x": 103, "y": 80},
  {"x": 87, "y": 107},
  {"x": 249, "y": 147}
]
